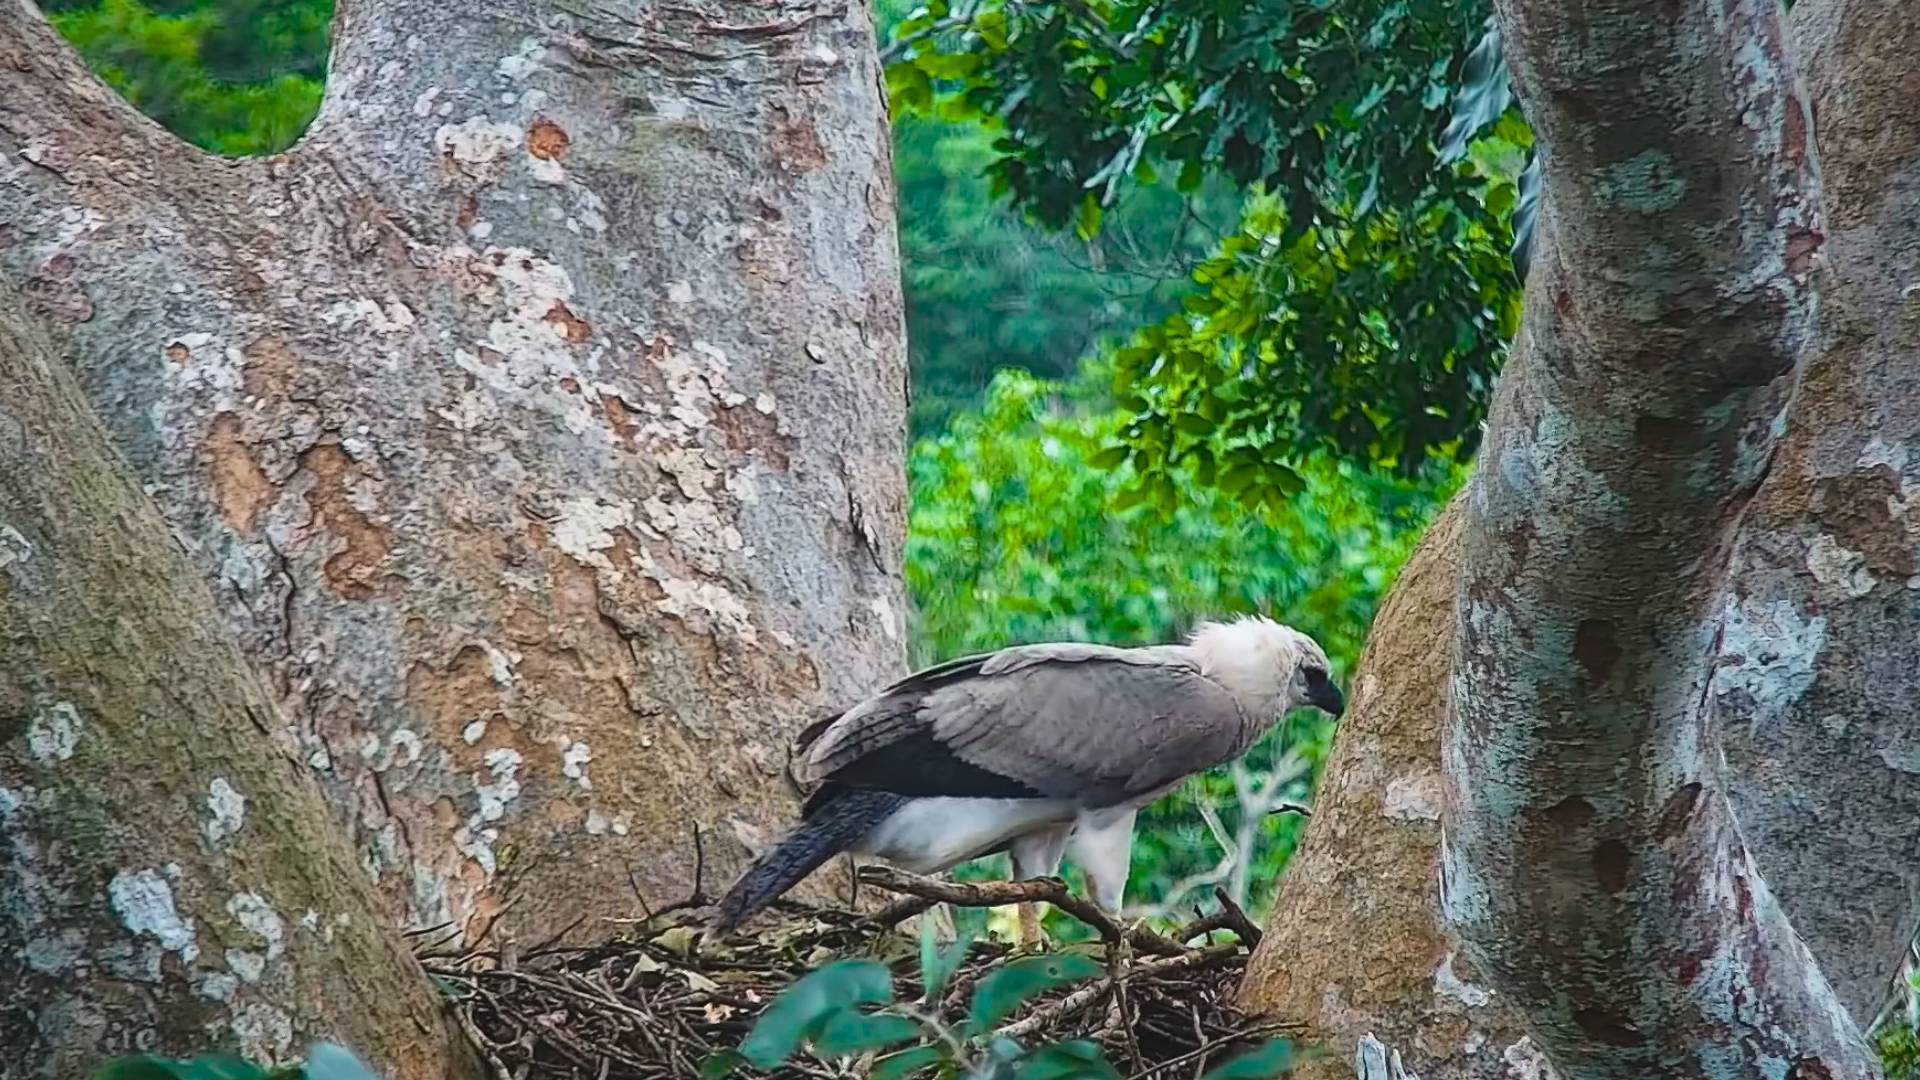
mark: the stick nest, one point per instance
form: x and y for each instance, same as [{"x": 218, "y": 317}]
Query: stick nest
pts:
[{"x": 658, "y": 1000}]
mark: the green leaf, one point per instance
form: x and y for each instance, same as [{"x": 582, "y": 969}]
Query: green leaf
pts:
[
  {"x": 905, "y": 1063},
  {"x": 1192, "y": 424},
  {"x": 1271, "y": 1058},
  {"x": 721, "y": 1064},
  {"x": 1075, "y": 1060},
  {"x": 848, "y": 1032},
  {"x": 802, "y": 1009},
  {"x": 1087, "y": 222},
  {"x": 949, "y": 65},
  {"x": 331, "y": 1061},
  {"x": 992, "y": 28},
  {"x": 1002, "y": 992},
  {"x": 205, "y": 1067},
  {"x": 937, "y": 967},
  {"x": 1111, "y": 457}
]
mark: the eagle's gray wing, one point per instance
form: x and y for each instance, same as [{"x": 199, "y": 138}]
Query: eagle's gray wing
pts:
[{"x": 1091, "y": 723}]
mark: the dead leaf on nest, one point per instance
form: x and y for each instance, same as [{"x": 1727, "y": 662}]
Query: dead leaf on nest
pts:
[
  {"x": 678, "y": 940},
  {"x": 716, "y": 1012},
  {"x": 700, "y": 982},
  {"x": 647, "y": 965}
]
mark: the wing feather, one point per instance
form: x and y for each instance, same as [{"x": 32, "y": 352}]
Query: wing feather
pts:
[{"x": 1087, "y": 722}]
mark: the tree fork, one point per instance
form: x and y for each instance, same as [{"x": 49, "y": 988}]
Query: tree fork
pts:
[
  {"x": 169, "y": 876},
  {"x": 537, "y": 419}
]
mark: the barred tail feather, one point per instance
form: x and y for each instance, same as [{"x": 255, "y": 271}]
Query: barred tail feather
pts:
[{"x": 835, "y": 821}]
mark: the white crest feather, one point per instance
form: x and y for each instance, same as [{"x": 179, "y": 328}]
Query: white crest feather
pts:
[{"x": 1255, "y": 659}]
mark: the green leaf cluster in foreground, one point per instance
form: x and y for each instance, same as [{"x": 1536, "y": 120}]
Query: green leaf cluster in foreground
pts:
[
  {"x": 326, "y": 1061},
  {"x": 1365, "y": 301},
  {"x": 238, "y": 77},
  {"x": 847, "y": 1010}
]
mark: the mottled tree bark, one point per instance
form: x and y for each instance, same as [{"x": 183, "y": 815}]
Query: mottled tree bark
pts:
[
  {"x": 538, "y": 418},
  {"x": 1806, "y": 689},
  {"x": 163, "y": 884},
  {"x": 1817, "y": 685},
  {"x": 1353, "y": 945}
]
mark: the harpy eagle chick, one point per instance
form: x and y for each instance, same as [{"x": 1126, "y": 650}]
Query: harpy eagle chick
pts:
[{"x": 1026, "y": 749}]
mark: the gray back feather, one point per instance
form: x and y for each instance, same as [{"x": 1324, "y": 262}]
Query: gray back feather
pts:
[{"x": 1092, "y": 723}]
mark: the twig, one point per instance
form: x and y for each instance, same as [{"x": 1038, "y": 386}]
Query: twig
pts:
[
  {"x": 1210, "y": 1045},
  {"x": 1080, "y": 1000},
  {"x": 1236, "y": 918},
  {"x": 1000, "y": 893},
  {"x": 481, "y": 1043}
]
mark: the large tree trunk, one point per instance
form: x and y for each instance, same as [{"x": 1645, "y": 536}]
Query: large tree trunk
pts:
[
  {"x": 163, "y": 884},
  {"x": 1808, "y": 689},
  {"x": 539, "y": 418}
]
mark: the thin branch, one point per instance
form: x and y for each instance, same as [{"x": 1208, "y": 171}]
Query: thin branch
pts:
[{"x": 1001, "y": 893}]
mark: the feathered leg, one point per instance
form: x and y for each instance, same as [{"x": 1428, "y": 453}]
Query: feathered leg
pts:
[
  {"x": 1036, "y": 855},
  {"x": 1103, "y": 847}
]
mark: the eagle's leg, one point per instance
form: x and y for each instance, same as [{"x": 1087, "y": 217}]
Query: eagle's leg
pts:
[
  {"x": 1036, "y": 855},
  {"x": 1103, "y": 847}
]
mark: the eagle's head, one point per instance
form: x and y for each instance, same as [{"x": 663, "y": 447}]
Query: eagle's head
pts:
[{"x": 1270, "y": 667}]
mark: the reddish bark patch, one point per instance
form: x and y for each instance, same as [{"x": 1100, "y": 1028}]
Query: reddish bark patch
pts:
[
  {"x": 450, "y": 698},
  {"x": 241, "y": 488},
  {"x": 748, "y": 430},
  {"x": 53, "y": 294},
  {"x": 570, "y": 384},
  {"x": 1596, "y": 648},
  {"x": 354, "y": 572},
  {"x": 1607, "y": 1028},
  {"x": 573, "y": 326},
  {"x": 1687, "y": 969},
  {"x": 266, "y": 367},
  {"x": 796, "y": 145},
  {"x": 178, "y": 352},
  {"x": 1807, "y": 1068},
  {"x": 1803, "y": 246},
  {"x": 1793, "y": 132},
  {"x": 625, "y": 421},
  {"x": 547, "y": 141},
  {"x": 468, "y": 212},
  {"x": 1610, "y": 861},
  {"x": 1855, "y": 510},
  {"x": 1678, "y": 808}
]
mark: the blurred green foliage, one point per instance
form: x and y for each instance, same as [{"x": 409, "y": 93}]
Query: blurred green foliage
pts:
[
  {"x": 235, "y": 77},
  {"x": 325, "y": 1061},
  {"x": 1364, "y": 304},
  {"x": 1898, "y": 1045},
  {"x": 1020, "y": 531},
  {"x": 987, "y": 290}
]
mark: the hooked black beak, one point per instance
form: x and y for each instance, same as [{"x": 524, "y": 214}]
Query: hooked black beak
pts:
[{"x": 1322, "y": 694}]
